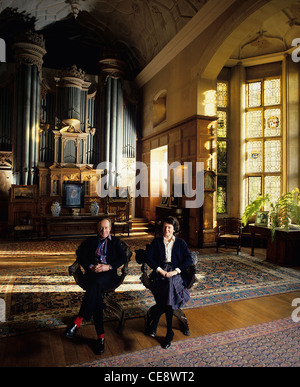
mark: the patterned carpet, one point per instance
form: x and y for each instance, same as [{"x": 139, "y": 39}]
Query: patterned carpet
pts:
[
  {"x": 27, "y": 248},
  {"x": 272, "y": 344},
  {"x": 43, "y": 298}
]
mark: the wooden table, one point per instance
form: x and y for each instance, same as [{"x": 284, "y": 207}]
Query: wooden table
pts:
[
  {"x": 284, "y": 250},
  {"x": 71, "y": 225}
]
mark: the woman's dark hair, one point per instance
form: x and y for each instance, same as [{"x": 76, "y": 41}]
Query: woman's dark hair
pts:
[{"x": 173, "y": 221}]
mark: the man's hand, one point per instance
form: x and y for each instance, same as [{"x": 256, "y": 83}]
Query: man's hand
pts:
[{"x": 99, "y": 268}]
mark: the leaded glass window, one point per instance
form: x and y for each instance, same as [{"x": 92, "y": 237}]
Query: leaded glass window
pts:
[
  {"x": 272, "y": 92},
  {"x": 254, "y": 123},
  {"x": 273, "y": 187},
  {"x": 222, "y": 195},
  {"x": 222, "y": 145},
  {"x": 264, "y": 147},
  {"x": 222, "y": 156},
  {"x": 222, "y": 94},
  {"x": 254, "y": 157},
  {"x": 254, "y": 97},
  {"x": 255, "y": 187},
  {"x": 273, "y": 156},
  {"x": 222, "y": 123},
  {"x": 272, "y": 122}
]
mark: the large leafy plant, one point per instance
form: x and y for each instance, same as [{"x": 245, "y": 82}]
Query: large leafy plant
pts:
[
  {"x": 254, "y": 207},
  {"x": 282, "y": 213}
]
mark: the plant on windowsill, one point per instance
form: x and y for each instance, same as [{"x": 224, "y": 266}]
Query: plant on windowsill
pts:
[{"x": 285, "y": 213}]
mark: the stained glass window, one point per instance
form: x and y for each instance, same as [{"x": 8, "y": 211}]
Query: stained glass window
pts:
[
  {"x": 222, "y": 148},
  {"x": 264, "y": 155},
  {"x": 254, "y": 156},
  {"x": 222, "y": 94},
  {"x": 273, "y": 156},
  {"x": 254, "y": 187},
  {"x": 222, "y": 195},
  {"x": 272, "y": 122},
  {"x": 272, "y": 93},
  {"x": 254, "y": 94},
  {"x": 222, "y": 156},
  {"x": 273, "y": 187},
  {"x": 254, "y": 123},
  {"x": 222, "y": 123}
]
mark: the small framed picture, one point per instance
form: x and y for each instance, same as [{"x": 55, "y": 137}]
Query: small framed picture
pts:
[
  {"x": 174, "y": 202},
  {"x": 209, "y": 180},
  {"x": 262, "y": 218},
  {"x": 164, "y": 201}
]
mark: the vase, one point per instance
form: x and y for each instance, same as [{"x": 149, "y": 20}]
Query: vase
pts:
[
  {"x": 94, "y": 208},
  {"x": 55, "y": 209}
]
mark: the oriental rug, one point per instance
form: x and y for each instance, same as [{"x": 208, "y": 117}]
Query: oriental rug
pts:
[
  {"x": 271, "y": 344},
  {"x": 47, "y": 297}
]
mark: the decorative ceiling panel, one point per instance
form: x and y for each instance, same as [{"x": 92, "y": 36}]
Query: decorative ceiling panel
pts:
[{"x": 143, "y": 27}]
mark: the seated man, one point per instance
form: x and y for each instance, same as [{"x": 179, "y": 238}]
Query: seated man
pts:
[{"x": 100, "y": 256}]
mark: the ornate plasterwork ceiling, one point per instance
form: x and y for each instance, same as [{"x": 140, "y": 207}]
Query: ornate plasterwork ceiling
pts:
[
  {"x": 141, "y": 27},
  {"x": 275, "y": 35}
]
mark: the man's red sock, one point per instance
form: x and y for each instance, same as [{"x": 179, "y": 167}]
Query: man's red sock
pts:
[
  {"x": 101, "y": 336},
  {"x": 78, "y": 320}
]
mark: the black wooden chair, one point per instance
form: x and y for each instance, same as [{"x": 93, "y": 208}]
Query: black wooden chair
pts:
[
  {"x": 24, "y": 228},
  {"x": 121, "y": 223},
  {"x": 109, "y": 302},
  {"x": 230, "y": 234},
  {"x": 190, "y": 276}
]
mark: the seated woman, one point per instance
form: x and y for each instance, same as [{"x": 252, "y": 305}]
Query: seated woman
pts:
[{"x": 169, "y": 257}]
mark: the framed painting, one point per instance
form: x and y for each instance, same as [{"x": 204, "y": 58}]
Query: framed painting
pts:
[
  {"x": 73, "y": 194},
  {"x": 23, "y": 193}
]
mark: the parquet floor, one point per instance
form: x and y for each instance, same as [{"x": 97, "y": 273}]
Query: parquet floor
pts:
[{"x": 52, "y": 349}]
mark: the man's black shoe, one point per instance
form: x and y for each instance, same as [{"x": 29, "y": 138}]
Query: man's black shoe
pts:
[
  {"x": 150, "y": 330},
  {"x": 99, "y": 347},
  {"x": 167, "y": 341},
  {"x": 71, "y": 331}
]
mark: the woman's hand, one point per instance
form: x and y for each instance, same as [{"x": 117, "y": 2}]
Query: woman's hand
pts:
[
  {"x": 171, "y": 273},
  {"x": 168, "y": 274}
]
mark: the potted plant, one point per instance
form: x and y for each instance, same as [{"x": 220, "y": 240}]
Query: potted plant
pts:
[{"x": 285, "y": 213}]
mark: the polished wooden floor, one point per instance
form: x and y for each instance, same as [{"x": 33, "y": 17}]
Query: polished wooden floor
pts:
[{"x": 51, "y": 348}]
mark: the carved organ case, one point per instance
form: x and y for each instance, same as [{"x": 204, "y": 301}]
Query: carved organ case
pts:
[{"x": 71, "y": 136}]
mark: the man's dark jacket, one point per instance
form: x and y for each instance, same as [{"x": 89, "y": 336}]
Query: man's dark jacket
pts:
[{"x": 115, "y": 257}]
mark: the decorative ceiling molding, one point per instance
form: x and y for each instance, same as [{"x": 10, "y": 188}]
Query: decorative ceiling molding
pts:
[
  {"x": 207, "y": 15},
  {"x": 277, "y": 31},
  {"x": 144, "y": 27}
]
